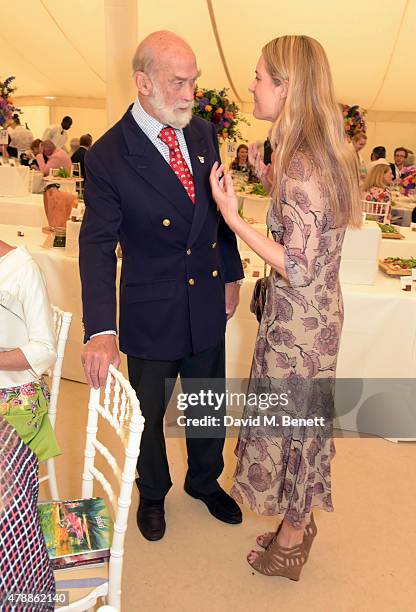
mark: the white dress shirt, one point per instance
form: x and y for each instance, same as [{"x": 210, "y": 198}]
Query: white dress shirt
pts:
[
  {"x": 151, "y": 127},
  {"x": 57, "y": 134},
  {"x": 21, "y": 138},
  {"x": 20, "y": 276}
]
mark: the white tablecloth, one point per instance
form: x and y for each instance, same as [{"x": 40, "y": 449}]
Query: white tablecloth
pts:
[
  {"x": 391, "y": 247},
  {"x": 14, "y": 180},
  {"x": 403, "y": 207},
  {"x": 23, "y": 210},
  {"x": 254, "y": 207}
]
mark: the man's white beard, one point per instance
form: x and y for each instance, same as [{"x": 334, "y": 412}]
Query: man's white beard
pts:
[{"x": 171, "y": 116}]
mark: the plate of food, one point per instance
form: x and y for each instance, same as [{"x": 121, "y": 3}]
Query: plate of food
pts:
[
  {"x": 397, "y": 266},
  {"x": 390, "y": 231}
]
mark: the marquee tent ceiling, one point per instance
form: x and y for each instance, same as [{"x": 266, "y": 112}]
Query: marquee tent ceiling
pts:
[{"x": 57, "y": 47}]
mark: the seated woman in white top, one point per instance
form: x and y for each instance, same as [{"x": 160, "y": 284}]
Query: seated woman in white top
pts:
[{"x": 27, "y": 350}]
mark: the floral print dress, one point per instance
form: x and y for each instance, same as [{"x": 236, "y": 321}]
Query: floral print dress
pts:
[
  {"x": 26, "y": 409},
  {"x": 287, "y": 471}
]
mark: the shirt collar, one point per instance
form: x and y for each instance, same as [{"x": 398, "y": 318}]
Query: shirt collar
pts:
[{"x": 150, "y": 126}]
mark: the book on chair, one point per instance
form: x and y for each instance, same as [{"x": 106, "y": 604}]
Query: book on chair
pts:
[{"x": 77, "y": 532}]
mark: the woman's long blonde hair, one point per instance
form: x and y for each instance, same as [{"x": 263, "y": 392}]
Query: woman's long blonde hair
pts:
[
  {"x": 375, "y": 178},
  {"x": 311, "y": 119}
]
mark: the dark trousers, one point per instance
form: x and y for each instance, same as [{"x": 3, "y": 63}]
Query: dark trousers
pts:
[{"x": 205, "y": 461}]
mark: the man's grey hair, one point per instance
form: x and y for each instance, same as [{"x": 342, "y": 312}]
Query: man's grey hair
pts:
[
  {"x": 143, "y": 59},
  {"x": 145, "y": 56}
]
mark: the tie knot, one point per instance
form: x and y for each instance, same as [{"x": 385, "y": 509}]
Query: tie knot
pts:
[{"x": 168, "y": 136}]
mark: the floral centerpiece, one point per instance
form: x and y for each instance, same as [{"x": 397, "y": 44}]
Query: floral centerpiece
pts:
[
  {"x": 215, "y": 106},
  {"x": 377, "y": 194},
  {"x": 354, "y": 120},
  {"x": 407, "y": 181},
  {"x": 6, "y": 103}
]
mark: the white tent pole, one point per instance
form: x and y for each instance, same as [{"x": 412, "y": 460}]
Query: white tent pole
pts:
[{"x": 121, "y": 42}]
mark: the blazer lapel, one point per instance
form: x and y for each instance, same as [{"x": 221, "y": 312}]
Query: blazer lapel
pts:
[
  {"x": 197, "y": 148},
  {"x": 146, "y": 160}
]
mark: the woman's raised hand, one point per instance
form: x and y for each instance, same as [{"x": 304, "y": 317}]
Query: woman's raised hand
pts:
[{"x": 223, "y": 193}]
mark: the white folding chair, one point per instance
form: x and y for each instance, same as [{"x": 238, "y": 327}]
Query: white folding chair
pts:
[
  {"x": 76, "y": 169},
  {"x": 121, "y": 410},
  {"x": 62, "y": 322},
  {"x": 376, "y": 210},
  {"x": 76, "y": 173}
]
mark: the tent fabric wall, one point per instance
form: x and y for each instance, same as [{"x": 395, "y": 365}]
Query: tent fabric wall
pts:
[{"x": 57, "y": 48}]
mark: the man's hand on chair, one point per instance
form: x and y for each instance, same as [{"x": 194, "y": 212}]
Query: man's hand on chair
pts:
[{"x": 97, "y": 355}]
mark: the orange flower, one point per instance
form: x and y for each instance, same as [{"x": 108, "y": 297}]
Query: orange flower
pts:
[
  {"x": 199, "y": 94},
  {"x": 208, "y": 108}
]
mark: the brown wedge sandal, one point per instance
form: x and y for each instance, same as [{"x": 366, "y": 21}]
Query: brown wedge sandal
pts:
[
  {"x": 279, "y": 561},
  {"x": 310, "y": 532}
]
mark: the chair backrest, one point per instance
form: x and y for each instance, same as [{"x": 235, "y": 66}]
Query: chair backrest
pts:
[
  {"x": 380, "y": 210},
  {"x": 121, "y": 409},
  {"x": 76, "y": 169},
  {"x": 62, "y": 322}
]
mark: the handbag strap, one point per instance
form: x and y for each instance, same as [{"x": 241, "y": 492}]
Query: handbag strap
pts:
[{"x": 265, "y": 264}]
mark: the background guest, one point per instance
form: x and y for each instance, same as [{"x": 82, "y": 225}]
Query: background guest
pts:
[
  {"x": 410, "y": 159},
  {"x": 377, "y": 183},
  {"x": 78, "y": 156},
  {"x": 20, "y": 137},
  {"x": 241, "y": 163},
  {"x": 58, "y": 133},
  {"x": 400, "y": 161},
  {"x": 24, "y": 560},
  {"x": 57, "y": 158},
  {"x": 359, "y": 140},
  {"x": 23, "y": 391},
  {"x": 73, "y": 145},
  {"x": 35, "y": 149},
  {"x": 378, "y": 156},
  {"x": 378, "y": 153}
]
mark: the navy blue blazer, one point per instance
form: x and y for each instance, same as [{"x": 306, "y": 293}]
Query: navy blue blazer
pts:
[{"x": 176, "y": 255}]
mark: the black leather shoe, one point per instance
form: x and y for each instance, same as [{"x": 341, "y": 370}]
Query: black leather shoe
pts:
[
  {"x": 151, "y": 518},
  {"x": 220, "y": 505}
]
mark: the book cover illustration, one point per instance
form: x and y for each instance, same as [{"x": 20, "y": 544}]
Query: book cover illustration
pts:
[{"x": 78, "y": 528}]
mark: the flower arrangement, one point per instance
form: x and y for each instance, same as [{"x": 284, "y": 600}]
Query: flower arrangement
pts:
[
  {"x": 376, "y": 194},
  {"x": 6, "y": 102},
  {"x": 214, "y": 106},
  {"x": 354, "y": 119},
  {"x": 407, "y": 181}
]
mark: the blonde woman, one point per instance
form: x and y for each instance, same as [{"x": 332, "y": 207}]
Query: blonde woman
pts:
[
  {"x": 313, "y": 182},
  {"x": 376, "y": 187},
  {"x": 377, "y": 183}
]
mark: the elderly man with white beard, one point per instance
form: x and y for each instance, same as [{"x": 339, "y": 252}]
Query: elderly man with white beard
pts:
[{"x": 148, "y": 188}]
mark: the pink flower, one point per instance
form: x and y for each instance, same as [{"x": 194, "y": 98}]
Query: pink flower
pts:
[
  {"x": 328, "y": 339},
  {"x": 259, "y": 477},
  {"x": 28, "y": 390}
]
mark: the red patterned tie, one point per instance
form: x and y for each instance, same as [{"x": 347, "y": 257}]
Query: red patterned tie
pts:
[{"x": 177, "y": 161}]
